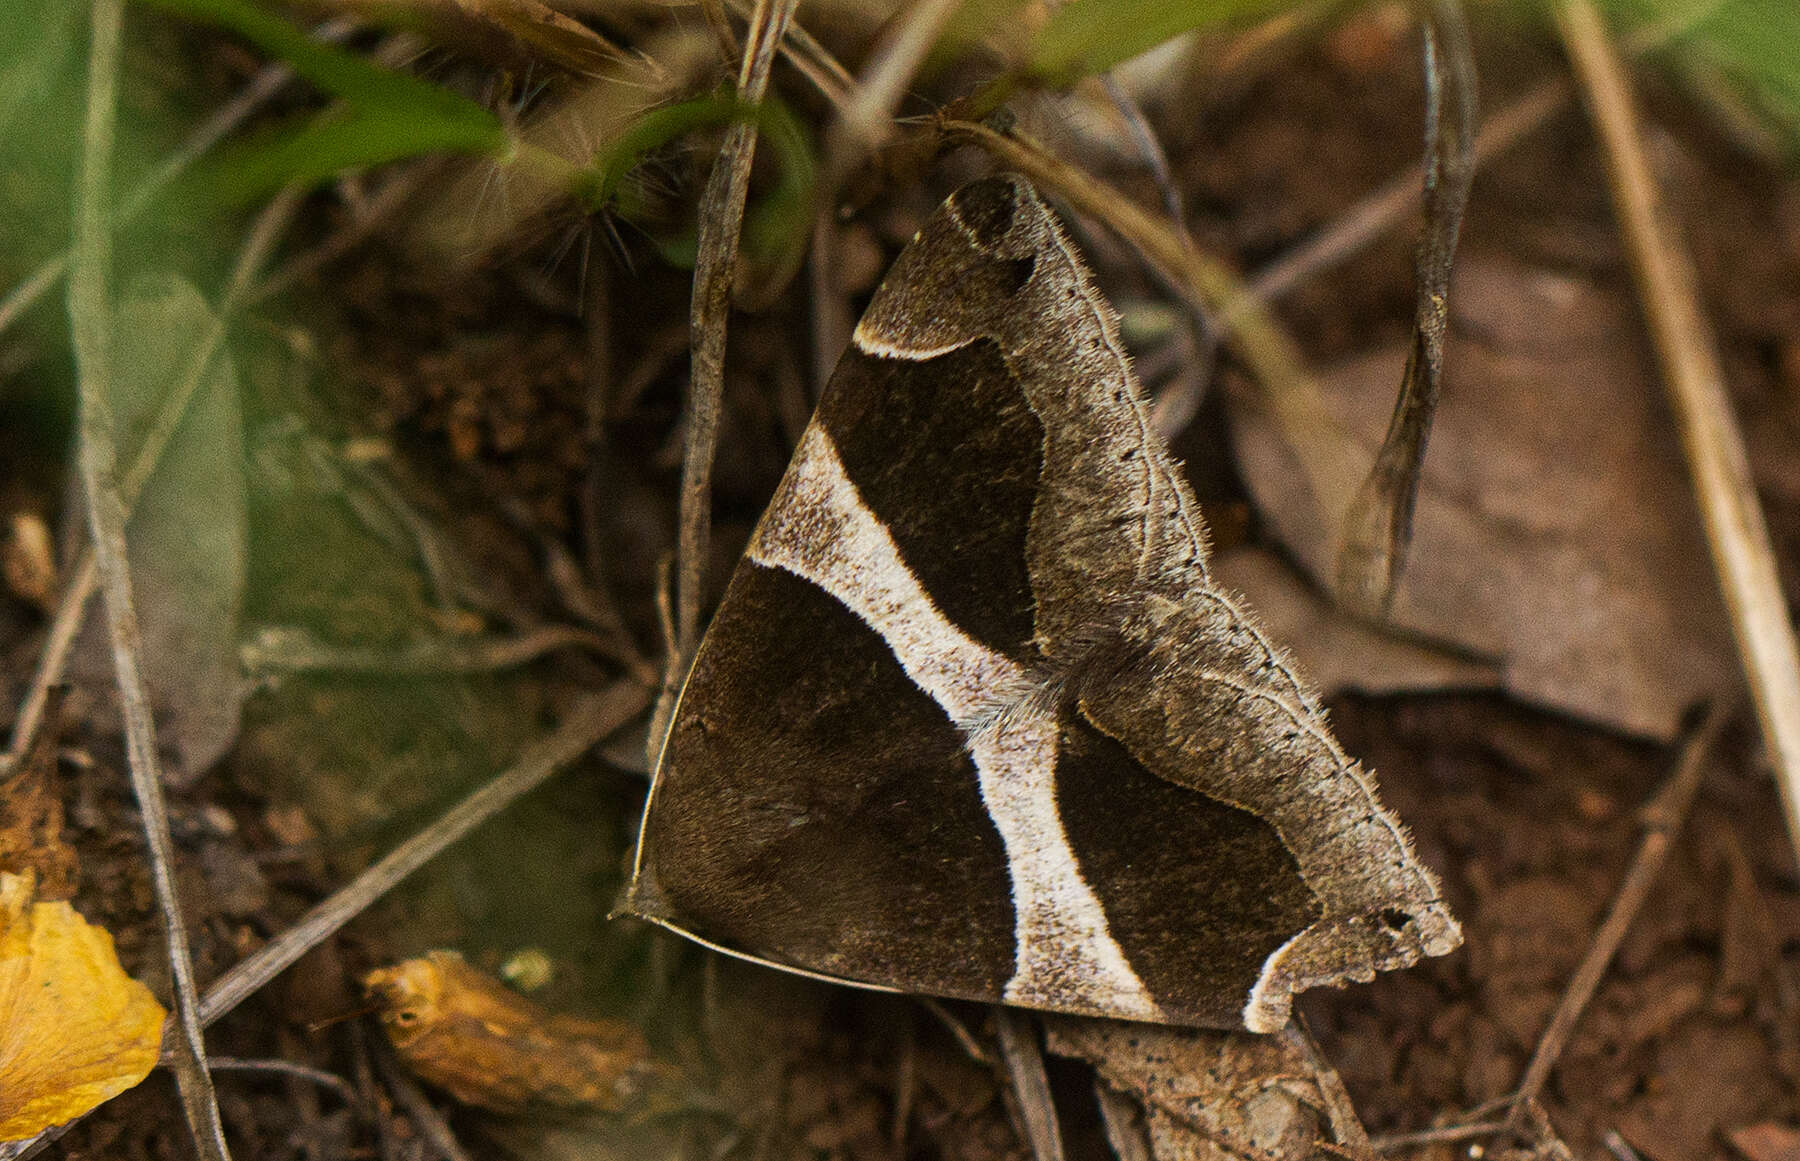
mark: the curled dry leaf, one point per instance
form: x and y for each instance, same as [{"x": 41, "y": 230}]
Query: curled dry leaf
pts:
[
  {"x": 488, "y": 1046},
  {"x": 1767, "y": 1141},
  {"x": 75, "y": 1030},
  {"x": 1206, "y": 1096},
  {"x": 1556, "y": 535}
]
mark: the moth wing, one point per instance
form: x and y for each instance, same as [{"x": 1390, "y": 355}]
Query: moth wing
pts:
[{"x": 972, "y": 718}]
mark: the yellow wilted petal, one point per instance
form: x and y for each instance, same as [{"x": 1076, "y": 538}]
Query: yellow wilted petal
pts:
[{"x": 75, "y": 1030}]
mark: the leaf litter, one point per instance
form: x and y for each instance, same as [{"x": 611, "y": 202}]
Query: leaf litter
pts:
[{"x": 1556, "y": 535}]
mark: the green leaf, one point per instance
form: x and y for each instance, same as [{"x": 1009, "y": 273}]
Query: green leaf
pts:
[
  {"x": 331, "y": 68},
  {"x": 391, "y": 115},
  {"x": 777, "y": 222},
  {"x": 332, "y": 143},
  {"x": 188, "y": 537},
  {"x": 1753, "y": 43}
]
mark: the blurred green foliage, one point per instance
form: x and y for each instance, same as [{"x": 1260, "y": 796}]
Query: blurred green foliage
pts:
[
  {"x": 385, "y": 115},
  {"x": 1752, "y": 44}
]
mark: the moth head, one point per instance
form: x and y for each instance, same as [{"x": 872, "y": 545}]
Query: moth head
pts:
[{"x": 972, "y": 263}]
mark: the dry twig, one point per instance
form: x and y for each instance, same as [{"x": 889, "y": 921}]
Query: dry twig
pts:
[
  {"x": 335, "y": 1084},
  {"x": 1123, "y": 1123},
  {"x": 721, "y": 223},
  {"x": 1685, "y": 346},
  {"x": 1346, "y": 1127},
  {"x": 425, "y": 1116},
  {"x": 1386, "y": 208},
  {"x": 292, "y": 649},
  {"x": 1024, "y": 1058},
  {"x": 1662, "y": 818},
  {"x": 96, "y": 349}
]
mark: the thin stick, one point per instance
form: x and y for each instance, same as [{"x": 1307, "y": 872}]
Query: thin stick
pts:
[
  {"x": 811, "y": 60},
  {"x": 1384, "y": 209},
  {"x": 590, "y": 723},
  {"x": 721, "y": 223},
  {"x": 265, "y": 84},
  {"x": 315, "y": 1076},
  {"x": 1735, "y": 529},
  {"x": 1024, "y": 1059},
  {"x": 1448, "y": 1134},
  {"x": 425, "y": 1116},
  {"x": 1662, "y": 819},
  {"x": 1123, "y": 1122},
  {"x": 297, "y": 650},
  {"x": 1346, "y": 1127},
  {"x": 90, "y": 317},
  {"x": 906, "y": 1076}
]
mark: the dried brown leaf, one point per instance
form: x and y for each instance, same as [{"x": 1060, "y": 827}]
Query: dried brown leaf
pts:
[
  {"x": 1335, "y": 651},
  {"x": 488, "y": 1046},
  {"x": 1767, "y": 1141},
  {"x": 1556, "y": 534},
  {"x": 511, "y": 33},
  {"x": 1206, "y": 1096},
  {"x": 28, "y": 559}
]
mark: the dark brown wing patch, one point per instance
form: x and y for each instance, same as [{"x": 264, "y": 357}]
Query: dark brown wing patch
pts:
[
  {"x": 1198, "y": 892},
  {"x": 818, "y": 809},
  {"x": 947, "y": 453}
]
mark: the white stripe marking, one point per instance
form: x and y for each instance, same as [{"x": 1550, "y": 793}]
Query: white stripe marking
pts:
[{"x": 819, "y": 528}]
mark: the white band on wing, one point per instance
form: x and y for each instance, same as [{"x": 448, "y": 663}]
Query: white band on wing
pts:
[{"x": 819, "y": 528}]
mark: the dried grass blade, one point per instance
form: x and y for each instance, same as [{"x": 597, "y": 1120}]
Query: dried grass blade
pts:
[
  {"x": 721, "y": 224},
  {"x": 1735, "y": 528}
]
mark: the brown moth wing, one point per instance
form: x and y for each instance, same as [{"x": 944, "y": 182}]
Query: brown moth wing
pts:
[
  {"x": 1208, "y": 702},
  {"x": 973, "y": 667}
]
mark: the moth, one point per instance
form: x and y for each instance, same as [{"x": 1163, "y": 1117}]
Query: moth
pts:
[{"x": 973, "y": 720}]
